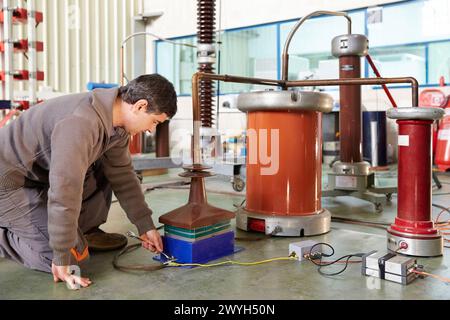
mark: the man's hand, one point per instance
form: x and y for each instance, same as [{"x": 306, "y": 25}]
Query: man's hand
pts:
[
  {"x": 152, "y": 241},
  {"x": 62, "y": 273}
]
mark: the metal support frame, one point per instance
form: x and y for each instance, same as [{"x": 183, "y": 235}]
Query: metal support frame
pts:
[
  {"x": 32, "y": 53},
  {"x": 7, "y": 56},
  {"x": 143, "y": 162},
  {"x": 8, "y": 66},
  {"x": 378, "y": 196}
]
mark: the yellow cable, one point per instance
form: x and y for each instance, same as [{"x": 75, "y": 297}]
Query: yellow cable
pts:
[{"x": 175, "y": 264}]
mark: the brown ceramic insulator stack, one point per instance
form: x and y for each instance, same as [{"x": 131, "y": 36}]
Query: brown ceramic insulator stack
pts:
[
  {"x": 206, "y": 35},
  {"x": 350, "y": 113},
  {"x": 206, "y": 18}
]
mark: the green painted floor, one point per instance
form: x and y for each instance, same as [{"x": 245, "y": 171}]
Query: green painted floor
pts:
[{"x": 277, "y": 280}]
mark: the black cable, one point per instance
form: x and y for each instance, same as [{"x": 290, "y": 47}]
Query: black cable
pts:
[
  {"x": 130, "y": 249},
  {"x": 441, "y": 207},
  {"x": 380, "y": 225},
  {"x": 240, "y": 205},
  {"x": 326, "y": 264}
]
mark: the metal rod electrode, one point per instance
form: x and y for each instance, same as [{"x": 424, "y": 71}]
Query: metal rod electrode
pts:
[{"x": 285, "y": 55}]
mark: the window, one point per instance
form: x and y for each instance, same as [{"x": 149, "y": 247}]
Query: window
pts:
[
  {"x": 310, "y": 48},
  {"x": 439, "y": 62},
  {"x": 411, "y": 22},
  {"x": 410, "y": 38},
  {"x": 248, "y": 52},
  {"x": 409, "y": 49},
  {"x": 177, "y": 63},
  {"x": 400, "y": 61}
]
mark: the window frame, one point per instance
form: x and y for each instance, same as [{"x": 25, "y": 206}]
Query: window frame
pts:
[{"x": 278, "y": 25}]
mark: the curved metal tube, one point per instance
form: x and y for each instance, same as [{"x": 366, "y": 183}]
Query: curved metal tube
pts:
[
  {"x": 361, "y": 81},
  {"x": 285, "y": 56},
  {"x": 157, "y": 37},
  {"x": 122, "y": 47}
]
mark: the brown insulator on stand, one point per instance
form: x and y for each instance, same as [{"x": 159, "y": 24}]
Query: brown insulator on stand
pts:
[
  {"x": 206, "y": 57},
  {"x": 197, "y": 212}
]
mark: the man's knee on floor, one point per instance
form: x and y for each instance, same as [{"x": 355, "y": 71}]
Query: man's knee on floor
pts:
[{"x": 33, "y": 256}]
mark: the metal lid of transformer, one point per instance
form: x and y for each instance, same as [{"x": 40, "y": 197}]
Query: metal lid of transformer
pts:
[
  {"x": 350, "y": 45},
  {"x": 416, "y": 113},
  {"x": 285, "y": 101}
]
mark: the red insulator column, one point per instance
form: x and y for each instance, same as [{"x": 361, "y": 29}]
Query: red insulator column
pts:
[{"x": 413, "y": 232}]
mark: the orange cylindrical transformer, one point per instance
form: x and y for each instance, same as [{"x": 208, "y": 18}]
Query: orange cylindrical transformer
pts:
[
  {"x": 293, "y": 185},
  {"x": 284, "y": 162}
]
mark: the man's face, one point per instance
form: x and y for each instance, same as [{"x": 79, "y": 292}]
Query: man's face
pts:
[{"x": 138, "y": 120}]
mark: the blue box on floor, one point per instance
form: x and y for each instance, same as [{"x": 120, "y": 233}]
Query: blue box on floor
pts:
[{"x": 200, "y": 251}]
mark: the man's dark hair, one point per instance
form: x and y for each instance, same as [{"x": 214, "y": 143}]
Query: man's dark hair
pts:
[{"x": 157, "y": 90}]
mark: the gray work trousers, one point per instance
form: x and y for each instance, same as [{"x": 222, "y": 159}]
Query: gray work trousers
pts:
[{"x": 23, "y": 219}]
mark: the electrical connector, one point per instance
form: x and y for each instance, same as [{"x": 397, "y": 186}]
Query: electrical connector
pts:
[
  {"x": 302, "y": 250},
  {"x": 389, "y": 266}
]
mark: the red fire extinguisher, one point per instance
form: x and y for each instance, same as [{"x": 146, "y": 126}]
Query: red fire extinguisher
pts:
[
  {"x": 442, "y": 157},
  {"x": 433, "y": 98}
]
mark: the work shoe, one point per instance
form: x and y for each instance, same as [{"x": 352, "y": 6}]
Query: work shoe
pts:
[{"x": 98, "y": 240}]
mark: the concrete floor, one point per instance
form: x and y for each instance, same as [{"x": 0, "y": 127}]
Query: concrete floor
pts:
[{"x": 277, "y": 280}]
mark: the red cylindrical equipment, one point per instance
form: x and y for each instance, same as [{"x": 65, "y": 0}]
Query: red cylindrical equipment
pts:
[
  {"x": 414, "y": 182},
  {"x": 136, "y": 144},
  {"x": 284, "y": 162},
  {"x": 413, "y": 232}
]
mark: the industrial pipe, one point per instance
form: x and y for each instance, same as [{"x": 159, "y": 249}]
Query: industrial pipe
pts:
[
  {"x": 285, "y": 56},
  {"x": 362, "y": 81}
]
